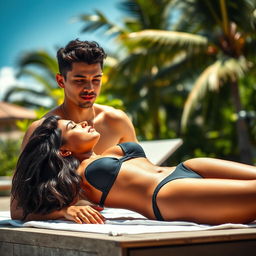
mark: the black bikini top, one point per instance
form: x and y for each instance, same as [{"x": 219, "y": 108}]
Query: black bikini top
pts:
[{"x": 102, "y": 172}]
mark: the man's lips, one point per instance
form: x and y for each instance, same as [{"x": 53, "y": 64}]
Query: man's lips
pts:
[{"x": 87, "y": 96}]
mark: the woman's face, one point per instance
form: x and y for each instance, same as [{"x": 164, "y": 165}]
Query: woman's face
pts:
[{"x": 79, "y": 137}]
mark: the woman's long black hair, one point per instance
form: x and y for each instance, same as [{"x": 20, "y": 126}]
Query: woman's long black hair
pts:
[{"x": 45, "y": 181}]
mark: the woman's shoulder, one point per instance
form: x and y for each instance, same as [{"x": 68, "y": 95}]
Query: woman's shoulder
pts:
[{"x": 113, "y": 151}]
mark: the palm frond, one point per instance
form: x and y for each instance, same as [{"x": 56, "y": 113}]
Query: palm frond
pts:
[
  {"x": 211, "y": 16},
  {"x": 47, "y": 85},
  {"x": 15, "y": 90},
  {"x": 29, "y": 103},
  {"x": 40, "y": 59},
  {"x": 162, "y": 38},
  {"x": 220, "y": 72},
  {"x": 152, "y": 14},
  {"x": 207, "y": 16},
  {"x": 185, "y": 67},
  {"x": 242, "y": 13},
  {"x": 94, "y": 22}
]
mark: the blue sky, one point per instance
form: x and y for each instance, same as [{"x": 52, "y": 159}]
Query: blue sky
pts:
[
  {"x": 28, "y": 25},
  {"x": 45, "y": 24}
]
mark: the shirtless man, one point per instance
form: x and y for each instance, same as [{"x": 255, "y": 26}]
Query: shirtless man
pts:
[{"x": 80, "y": 67}]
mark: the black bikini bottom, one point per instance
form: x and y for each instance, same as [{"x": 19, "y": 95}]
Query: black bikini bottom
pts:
[{"x": 180, "y": 172}]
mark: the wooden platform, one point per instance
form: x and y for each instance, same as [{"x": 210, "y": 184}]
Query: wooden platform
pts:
[{"x": 45, "y": 242}]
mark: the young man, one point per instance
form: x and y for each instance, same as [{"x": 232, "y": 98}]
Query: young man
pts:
[{"x": 80, "y": 67}]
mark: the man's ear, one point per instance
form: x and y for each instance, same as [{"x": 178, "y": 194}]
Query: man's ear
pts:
[
  {"x": 60, "y": 80},
  {"x": 65, "y": 153}
]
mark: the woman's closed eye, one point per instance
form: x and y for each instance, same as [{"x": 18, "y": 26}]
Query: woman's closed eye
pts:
[{"x": 71, "y": 125}]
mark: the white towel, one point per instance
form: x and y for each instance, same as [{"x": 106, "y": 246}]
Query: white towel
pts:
[{"x": 120, "y": 222}]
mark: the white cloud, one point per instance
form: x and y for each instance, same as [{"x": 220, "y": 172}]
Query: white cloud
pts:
[{"x": 7, "y": 80}]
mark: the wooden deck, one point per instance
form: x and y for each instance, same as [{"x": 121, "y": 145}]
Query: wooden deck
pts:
[{"x": 34, "y": 241}]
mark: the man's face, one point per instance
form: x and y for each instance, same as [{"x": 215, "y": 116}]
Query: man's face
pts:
[{"x": 82, "y": 84}]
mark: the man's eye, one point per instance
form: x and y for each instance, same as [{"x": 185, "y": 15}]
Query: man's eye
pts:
[{"x": 74, "y": 126}]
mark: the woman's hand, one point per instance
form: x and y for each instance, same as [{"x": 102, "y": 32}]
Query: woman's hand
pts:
[{"x": 84, "y": 214}]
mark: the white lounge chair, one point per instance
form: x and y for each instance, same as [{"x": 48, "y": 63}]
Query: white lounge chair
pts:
[{"x": 158, "y": 151}]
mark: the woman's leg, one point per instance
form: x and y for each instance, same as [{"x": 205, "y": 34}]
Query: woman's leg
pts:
[
  {"x": 222, "y": 169},
  {"x": 210, "y": 201}
]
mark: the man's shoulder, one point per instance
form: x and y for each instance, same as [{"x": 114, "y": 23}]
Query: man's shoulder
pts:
[
  {"x": 33, "y": 126},
  {"x": 53, "y": 112},
  {"x": 110, "y": 113},
  {"x": 114, "y": 121},
  {"x": 37, "y": 122},
  {"x": 30, "y": 131}
]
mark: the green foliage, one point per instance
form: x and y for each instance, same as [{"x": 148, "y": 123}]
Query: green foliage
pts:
[
  {"x": 10, "y": 150},
  {"x": 41, "y": 67},
  {"x": 23, "y": 125},
  {"x": 211, "y": 51},
  {"x": 107, "y": 99},
  {"x": 167, "y": 51}
]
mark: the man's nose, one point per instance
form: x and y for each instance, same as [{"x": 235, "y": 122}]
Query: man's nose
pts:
[{"x": 88, "y": 86}]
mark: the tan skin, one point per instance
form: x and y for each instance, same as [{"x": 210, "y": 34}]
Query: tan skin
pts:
[
  {"x": 81, "y": 87},
  {"x": 227, "y": 193}
]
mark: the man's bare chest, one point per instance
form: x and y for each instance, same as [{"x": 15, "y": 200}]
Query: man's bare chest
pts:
[{"x": 108, "y": 138}]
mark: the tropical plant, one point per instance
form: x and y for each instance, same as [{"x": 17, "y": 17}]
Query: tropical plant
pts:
[
  {"x": 132, "y": 76},
  {"x": 42, "y": 68},
  {"x": 10, "y": 150},
  {"x": 218, "y": 47}
]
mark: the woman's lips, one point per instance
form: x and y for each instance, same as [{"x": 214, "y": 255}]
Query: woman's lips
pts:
[{"x": 90, "y": 129}]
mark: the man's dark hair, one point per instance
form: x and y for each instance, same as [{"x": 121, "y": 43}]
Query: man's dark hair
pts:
[{"x": 79, "y": 51}]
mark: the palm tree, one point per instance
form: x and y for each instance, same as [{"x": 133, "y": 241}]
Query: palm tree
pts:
[
  {"x": 41, "y": 67},
  {"x": 139, "y": 15},
  {"x": 220, "y": 48}
]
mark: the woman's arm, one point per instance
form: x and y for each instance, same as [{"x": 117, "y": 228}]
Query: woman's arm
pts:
[{"x": 79, "y": 214}]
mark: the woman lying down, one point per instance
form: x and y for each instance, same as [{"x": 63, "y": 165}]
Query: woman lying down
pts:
[{"x": 58, "y": 167}]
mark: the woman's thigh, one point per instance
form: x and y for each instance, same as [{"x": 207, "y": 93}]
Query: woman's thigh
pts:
[
  {"x": 211, "y": 201},
  {"x": 223, "y": 169}
]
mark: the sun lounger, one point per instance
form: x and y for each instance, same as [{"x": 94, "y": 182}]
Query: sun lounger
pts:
[
  {"x": 158, "y": 151},
  {"x": 126, "y": 233}
]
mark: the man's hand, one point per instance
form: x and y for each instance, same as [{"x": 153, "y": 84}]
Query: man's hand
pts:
[{"x": 84, "y": 214}]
